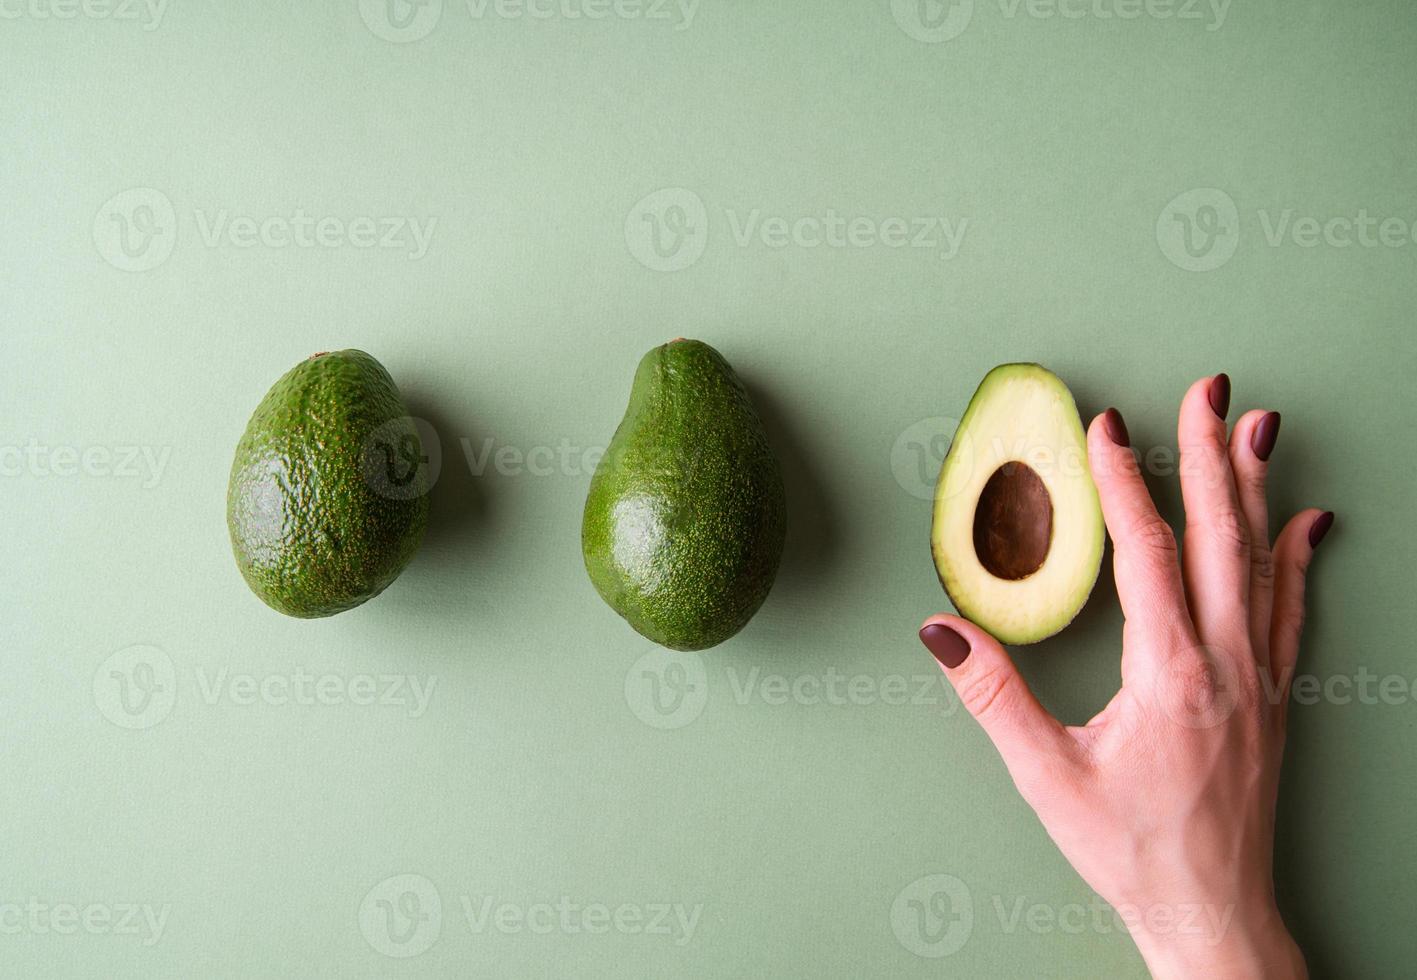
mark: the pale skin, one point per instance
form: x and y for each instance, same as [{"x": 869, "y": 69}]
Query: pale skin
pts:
[{"x": 1165, "y": 801}]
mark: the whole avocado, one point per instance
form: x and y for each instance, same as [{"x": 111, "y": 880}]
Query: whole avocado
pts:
[
  {"x": 686, "y": 517},
  {"x": 328, "y": 496}
]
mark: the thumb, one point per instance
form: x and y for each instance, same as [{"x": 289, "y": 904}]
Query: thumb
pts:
[{"x": 992, "y": 690}]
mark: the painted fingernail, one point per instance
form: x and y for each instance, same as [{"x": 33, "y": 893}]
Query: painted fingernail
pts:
[
  {"x": 1266, "y": 432},
  {"x": 1317, "y": 530},
  {"x": 948, "y": 646},
  {"x": 1116, "y": 427},
  {"x": 1220, "y": 394}
]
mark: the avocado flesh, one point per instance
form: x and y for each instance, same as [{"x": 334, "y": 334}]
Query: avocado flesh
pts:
[
  {"x": 316, "y": 525},
  {"x": 1017, "y": 534},
  {"x": 685, "y": 518}
]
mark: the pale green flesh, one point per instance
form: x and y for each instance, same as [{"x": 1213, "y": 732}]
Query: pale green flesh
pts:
[{"x": 1021, "y": 412}]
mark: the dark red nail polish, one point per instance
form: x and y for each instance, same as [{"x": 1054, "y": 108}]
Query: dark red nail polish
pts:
[
  {"x": 948, "y": 646},
  {"x": 1317, "y": 530},
  {"x": 1116, "y": 427},
  {"x": 1220, "y": 395},
  {"x": 1266, "y": 432}
]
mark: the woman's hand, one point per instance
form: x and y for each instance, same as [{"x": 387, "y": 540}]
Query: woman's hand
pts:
[{"x": 1165, "y": 801}]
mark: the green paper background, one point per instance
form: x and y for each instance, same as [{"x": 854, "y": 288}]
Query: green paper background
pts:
[{"x": 536, "y": 771}]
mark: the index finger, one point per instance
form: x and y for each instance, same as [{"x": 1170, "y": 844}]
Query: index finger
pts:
[{"x": 1144, "y": 554}]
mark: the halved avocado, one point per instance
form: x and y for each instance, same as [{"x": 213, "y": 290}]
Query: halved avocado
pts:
[{"x": 1017, "y": 533}]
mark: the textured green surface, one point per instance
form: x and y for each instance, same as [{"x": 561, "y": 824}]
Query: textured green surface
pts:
[
  {"x": 328, "y": 498},
  {"x": 795, "y": 816},
  {"x": 685, "y": 517}
]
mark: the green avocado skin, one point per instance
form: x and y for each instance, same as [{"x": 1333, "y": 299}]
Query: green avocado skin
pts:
[
  {"x": 327, "y": 501},
  {"x": 686, "y": 517}
]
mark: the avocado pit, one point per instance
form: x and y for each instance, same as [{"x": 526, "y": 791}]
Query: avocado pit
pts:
[{"x": 1013, "y": 522}]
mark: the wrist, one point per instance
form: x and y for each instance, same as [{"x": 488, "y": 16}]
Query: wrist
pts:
[{"x": 1221, "y": 942}]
